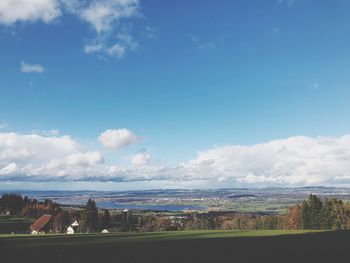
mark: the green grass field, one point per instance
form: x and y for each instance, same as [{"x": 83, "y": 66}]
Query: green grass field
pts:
[
  {"x": 180, "y": 246},
  {"x": 63, "y": 239}
]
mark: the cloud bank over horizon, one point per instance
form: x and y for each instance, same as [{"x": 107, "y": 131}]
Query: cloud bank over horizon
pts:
[{"x": 294, "y": 161}]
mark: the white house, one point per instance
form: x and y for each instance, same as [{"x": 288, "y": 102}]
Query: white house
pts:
[
  {"x": 70, "y": 230},
  {"x": 73, "y": 227}
]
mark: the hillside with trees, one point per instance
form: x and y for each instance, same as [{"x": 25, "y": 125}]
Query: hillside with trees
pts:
[{"x": 312, "y": 213}]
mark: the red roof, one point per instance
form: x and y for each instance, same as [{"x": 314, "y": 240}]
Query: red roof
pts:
[{"x": 40, "y": 223}]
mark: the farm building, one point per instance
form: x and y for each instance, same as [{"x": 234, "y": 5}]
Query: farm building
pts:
[
  {"x": 73, "y": 227},
  {"x": 41, "y": 225},
  {"x": 70, "y": 230}
]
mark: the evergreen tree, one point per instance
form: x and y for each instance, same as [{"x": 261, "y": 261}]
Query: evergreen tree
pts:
[
  {"x": 305, "y": 216},
  {"x": 339, "y": 213},
  {"x": 315, "y": 208},
  {"x": 327, "y": 215},
  {"x": 91, "y": 216},
  {"x": 105, "y": 220}
]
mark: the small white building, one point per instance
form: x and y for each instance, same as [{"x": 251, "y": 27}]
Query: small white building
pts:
[
  {"x": 73, "y": 228},
  {"x": 70, "y": 230}
]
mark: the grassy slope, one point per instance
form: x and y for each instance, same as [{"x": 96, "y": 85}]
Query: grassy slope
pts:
[
  {"x": 186, "y": 246},
  {"x": 81, "y": 239}
]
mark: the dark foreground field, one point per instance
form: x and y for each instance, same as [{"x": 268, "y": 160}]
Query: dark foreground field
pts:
[{"x": 205, "y": 247}]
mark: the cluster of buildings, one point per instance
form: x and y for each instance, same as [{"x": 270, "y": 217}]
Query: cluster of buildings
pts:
[{"x": 44, "y": 224}]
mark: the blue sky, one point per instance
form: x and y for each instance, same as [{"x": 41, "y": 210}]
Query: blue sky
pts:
[{"x": 184, "y": 77}]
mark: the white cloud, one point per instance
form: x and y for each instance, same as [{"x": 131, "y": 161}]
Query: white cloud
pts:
[
  {"x": 77, "y": 160},
  {"x": 115, "y": 139},
  {"x": 124, "y": 43},
  {"x": 294, "y": 161},
  {"x": 33, "y": 148},
  {"x": 140, "y": 159},
  {"x": 102, "y": 14},
  {"x": 106, "y": 18},
  {"x": 93, "y": 48},
  {"x": 116, "y": 50},
  {"x": 9, "y": 169},
  {"x": 31, "y": 68},
  {"x": 52, "y": 132},
  {"x": 12, "y": 11},
  {"x": 33, "y": 157},
  {"x": 75, "y": 166},
  {"x": 127, "y": 41},
  {"x": 3, "y": 125}
]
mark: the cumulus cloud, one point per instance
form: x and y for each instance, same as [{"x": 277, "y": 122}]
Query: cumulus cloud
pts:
[
  {"x": 33, "y": 148},
  {"x": 76, "y": 160},
  {"x": 141, "y": 158},
  {"x": 293, "y": 161},
  {"x": 31, "y": 68},
  {"x": 115, "y": 139},
  {"x": 36, "y": 157},
  {"x": 12, "y": 11}
]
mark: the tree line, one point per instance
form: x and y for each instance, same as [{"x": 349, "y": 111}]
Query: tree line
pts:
[{"x": 312, "y": 213}]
